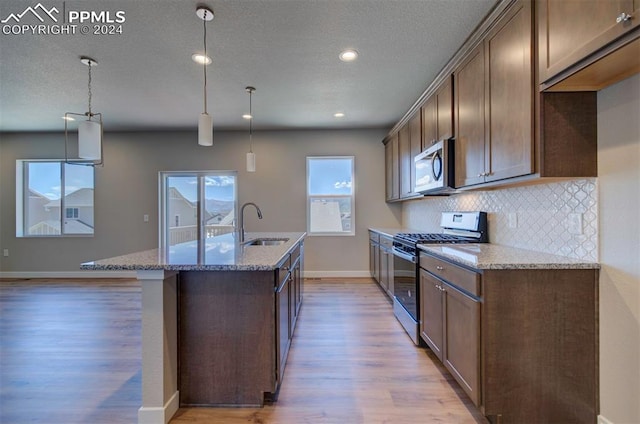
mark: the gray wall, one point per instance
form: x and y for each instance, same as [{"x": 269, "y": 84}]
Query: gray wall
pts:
[{"x": 126, "y": 188}]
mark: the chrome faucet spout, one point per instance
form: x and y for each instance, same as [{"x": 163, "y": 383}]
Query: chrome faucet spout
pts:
[{"x": 241, "y": 219}]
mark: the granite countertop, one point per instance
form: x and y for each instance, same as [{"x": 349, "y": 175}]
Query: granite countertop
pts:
[
  {"x": 390, "y": 232},
  {"x": 221, "y": 253},
  {"x": 493, "y": 256}
]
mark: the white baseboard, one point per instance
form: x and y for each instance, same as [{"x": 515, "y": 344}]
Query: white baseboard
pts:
[
  {"x": 336, "y": 274},
  {"x": 69, "y": 274},
  {"x": 159, "y": 415},
  {"x": 603, "y": 420}
]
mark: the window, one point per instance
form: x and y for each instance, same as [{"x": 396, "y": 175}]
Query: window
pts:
[
  {"x": 72, "y": 213},
  {"x": 53, "y": 198},
  {"x": 330, "y": 195},
  {"x": 196, "y": 205}
]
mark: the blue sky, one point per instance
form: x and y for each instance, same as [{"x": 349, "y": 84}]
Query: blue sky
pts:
[
  {"x": 44, "y": 177},
  {"x": 219, "y": 188},
  {"x": 329, "y": 176}
]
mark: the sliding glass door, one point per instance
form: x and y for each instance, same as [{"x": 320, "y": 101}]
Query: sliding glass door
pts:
[{"x": 196, "y": 205}]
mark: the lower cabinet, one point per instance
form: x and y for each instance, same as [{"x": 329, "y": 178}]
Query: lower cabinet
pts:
[
  {"x": 522, "y": 343},
  {"x": 450, "y": 325},
  {"x": 381, "y": 260},
  {"x": 234, "y": 332},
  {"x": 288, "y": 301}
]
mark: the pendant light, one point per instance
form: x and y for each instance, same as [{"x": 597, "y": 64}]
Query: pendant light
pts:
[
  {"x": 205, "y": 121},
  {"x": 89, "y": 130},
  {"x": 251, "y": 157}
]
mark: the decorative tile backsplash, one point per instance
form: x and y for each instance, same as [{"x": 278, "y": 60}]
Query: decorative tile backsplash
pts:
[{"x": 544, "y": 218}]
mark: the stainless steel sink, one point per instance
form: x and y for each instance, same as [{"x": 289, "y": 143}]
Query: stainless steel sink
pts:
[{"x": 266, "y": 242}]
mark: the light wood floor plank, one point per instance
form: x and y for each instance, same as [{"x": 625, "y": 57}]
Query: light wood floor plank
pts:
[{"x": 70, "y": 353}]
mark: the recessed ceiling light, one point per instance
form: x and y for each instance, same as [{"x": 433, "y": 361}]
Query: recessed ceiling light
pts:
[
  {"x": 68, "y": 118},
  {"x": 348, "y": 55},
  {"x": 201, "y": 59},
  {"x": 338, "y": 115},
  {"x": 247, "y": 116}
]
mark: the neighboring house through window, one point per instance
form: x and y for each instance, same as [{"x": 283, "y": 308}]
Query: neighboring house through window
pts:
[
  {"x": 54, "y": 198},
  {"x": 330, "y": 195}
]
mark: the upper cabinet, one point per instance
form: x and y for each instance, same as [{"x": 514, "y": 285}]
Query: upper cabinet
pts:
[
  {"x": 494, "y": 103},
  {"x": 437, "y": 115},
  {"x": 574, "y": 33},
  {"x": 392, "y": 163},
  {"x": 406, "y": 160}
]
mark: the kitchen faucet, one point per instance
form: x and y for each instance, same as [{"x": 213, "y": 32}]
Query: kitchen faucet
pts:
[{"x": 241, "y": 220}]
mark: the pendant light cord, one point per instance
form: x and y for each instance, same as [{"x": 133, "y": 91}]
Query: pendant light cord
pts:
[
  {"x": 250, "y": 124},
  {"x": 204, "y": 68},
  {"x": 89, "y": 87}
]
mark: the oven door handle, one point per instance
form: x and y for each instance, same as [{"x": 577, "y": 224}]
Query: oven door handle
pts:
[{"x": 404, "y": 256}]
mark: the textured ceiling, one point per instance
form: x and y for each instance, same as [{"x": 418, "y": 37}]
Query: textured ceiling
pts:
[{"x": 287, "y": 49}]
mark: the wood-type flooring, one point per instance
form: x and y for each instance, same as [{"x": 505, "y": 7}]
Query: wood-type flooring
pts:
[{"x": 70, "y": 353}]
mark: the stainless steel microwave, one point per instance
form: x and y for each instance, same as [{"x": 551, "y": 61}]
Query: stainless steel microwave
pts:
[{"x": 434, "y": 169}]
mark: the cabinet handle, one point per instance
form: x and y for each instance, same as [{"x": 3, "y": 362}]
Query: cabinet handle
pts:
[
  {"x": 623, "y": 17},
  {"x": 439, "y": 268}
]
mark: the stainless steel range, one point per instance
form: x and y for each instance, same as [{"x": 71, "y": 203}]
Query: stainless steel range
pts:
[{"x": 457, "y": 227}]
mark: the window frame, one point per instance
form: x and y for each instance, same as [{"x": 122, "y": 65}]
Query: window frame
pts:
[
  {"x": 351, "y": 197},
  {"x": 22, "y": 197},
  {"x": 163, "y": 204}
]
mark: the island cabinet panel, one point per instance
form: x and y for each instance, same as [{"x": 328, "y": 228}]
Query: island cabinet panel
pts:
[
  {"x": 571, "y": 30},
  {"x": 226, "y": 344},
  {"x": 235, "y": 330}
]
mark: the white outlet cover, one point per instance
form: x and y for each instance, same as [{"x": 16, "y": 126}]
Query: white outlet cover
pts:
[
  {"x": 574, "y": 223},
  {"x": 513, "y": 220}
]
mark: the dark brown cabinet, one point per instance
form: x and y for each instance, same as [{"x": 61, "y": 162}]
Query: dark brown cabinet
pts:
[
  {"x": 235, "y": 330},
  {"x": 450, "y": 322},
  {"x": 392, "y": 169},
  {"x": 415, "y": 142},
  {"x": 406, "y": 161},
  {"x": 522, "y": 343},
  {"x": 571, "y": 30},
  {"x": 374, "y": 255},
  {"x": 494, "y": 106},
  {"x": 288, "y": 301},
  {"x": 381, "y": 260},
  {"x": 437, "y": 115}
]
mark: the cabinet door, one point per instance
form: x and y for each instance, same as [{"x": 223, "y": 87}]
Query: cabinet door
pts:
[
  {"x": 444, "y": 110},
  {"x": 429, "y": 123},
  {"x": 415, "y": 142},
  {"x": 384, "y": 269},
  {"x": 569, "y": 30},
  {"x": 461, "y": 353},
  {"x": 404, "y": 149},
  {"x": 470, "y": 119},
  {"x": 283, "y": 300},
  {"x": 374, "y": 260},
  {"x": 509, "y": 130},
  {"x": 392, "y": 169},
  {"x": 431, "y": 328}
]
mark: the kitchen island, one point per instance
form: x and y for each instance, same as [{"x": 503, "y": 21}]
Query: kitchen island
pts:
[{"x": 217, "y": 319}]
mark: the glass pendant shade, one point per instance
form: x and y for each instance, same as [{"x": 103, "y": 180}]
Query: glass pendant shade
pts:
[
  {"x": 251, "y": 162},
  {"x": 205, "y": 130},
  {"x": 90, "y": 140}
]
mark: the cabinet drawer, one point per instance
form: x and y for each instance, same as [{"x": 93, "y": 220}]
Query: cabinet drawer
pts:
[
  {"x": 386, "y": 241},
  {"x": 466, "y": 280}
]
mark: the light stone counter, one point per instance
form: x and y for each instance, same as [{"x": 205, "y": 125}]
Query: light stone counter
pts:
[
  {"x": 221, "y": 253},
  {"x": 493, "y": 256}
]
